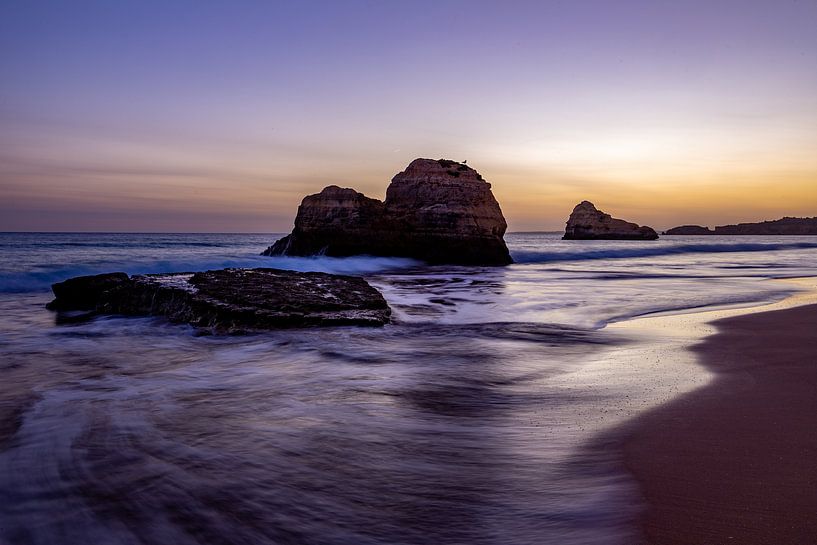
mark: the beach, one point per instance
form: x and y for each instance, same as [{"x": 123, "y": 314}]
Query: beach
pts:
[
  {"x": 465, "y": 420},
  {"x": 735, "y": 461},
  {"x": 408, "y": 273}
]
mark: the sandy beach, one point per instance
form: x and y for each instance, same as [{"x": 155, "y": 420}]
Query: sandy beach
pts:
[{"x": 736, "y": 460}]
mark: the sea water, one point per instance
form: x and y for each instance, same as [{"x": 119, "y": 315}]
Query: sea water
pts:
[{"x": 463, "y": 421}]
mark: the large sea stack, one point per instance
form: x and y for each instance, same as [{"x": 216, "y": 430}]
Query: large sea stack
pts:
[
  {"x": 438, "y": 211},
  {"x": 586, "y": 222}
]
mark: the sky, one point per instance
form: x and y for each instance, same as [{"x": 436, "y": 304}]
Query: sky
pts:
[{"x": 208, "y": 116}]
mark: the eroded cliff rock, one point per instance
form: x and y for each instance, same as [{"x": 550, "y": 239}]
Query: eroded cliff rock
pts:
[
  {"x": 228, "y": 300},
  {"x": 586, "y": 222},
  {"x": 438, "y": 211}
]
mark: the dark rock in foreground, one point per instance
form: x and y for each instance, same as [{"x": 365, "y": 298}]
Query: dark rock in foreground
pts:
[
  {"x": 783, "y": 226},
  {"x": 437, "y": 211},
  {"x": 588, "y": 223},
  {"x": 89, "y": 292},
  {"x": 229, "y": 300}
]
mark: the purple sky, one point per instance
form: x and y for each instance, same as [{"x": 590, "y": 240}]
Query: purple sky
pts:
[{"x": 220, "y": 116}]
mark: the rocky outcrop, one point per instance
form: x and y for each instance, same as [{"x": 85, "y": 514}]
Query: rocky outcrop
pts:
[
  {"x": 586, "y": 222},
  {"x": 438, "y": 211},
  {"x": 89, "y": 292},
  {"x": 228, "y": 300},
  {"x": 335, "y": 222},
  {"x": 689, "y": 230},
  {"x": 783, "y": 226}
]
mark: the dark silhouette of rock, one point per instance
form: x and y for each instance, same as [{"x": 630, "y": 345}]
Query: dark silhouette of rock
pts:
[
  {"x": 588, "y": 223},
  {"x": 229, "y": 300},
  {"x": 689, "y": 230},
  {"x": 88, "y": 292},
  {"x": 438, "y": 211},
  {"x": 783, "y": 226},
  {"x": 335, "y": 222}
]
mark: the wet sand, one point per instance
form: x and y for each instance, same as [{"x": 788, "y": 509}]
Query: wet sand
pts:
[{"x": 736, "y": 460}]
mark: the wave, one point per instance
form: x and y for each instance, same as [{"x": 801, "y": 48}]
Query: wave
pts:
[
  {"x": 140, "y": 244},
  {"x": 25, "y": 271},
  {"x": 533, "y": 256},
  {"x": 42, "y": 276}
]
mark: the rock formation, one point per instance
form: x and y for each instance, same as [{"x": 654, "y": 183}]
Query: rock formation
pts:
[
  {"x": 783, "y": 226},
  {"x": 437, "y": 211},
  {"x": 689, "y": 230},
  {"x": 588, "y": 223},
  {"x": 227, "y": 301},
  {"x": 88, "y": 292}
]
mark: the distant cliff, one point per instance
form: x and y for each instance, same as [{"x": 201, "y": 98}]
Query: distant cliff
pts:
[
  {"x": 439, "y": 211},
  {"x": 689, "y": 230},
  {"x": 784, "y": 226}
]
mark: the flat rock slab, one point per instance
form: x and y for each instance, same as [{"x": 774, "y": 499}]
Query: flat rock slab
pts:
[{"x": 228, "y": 300}]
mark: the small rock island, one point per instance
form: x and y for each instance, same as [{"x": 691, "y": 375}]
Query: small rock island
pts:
[
  {"x": 783, "y": 226},
  {"x": 689, "y": 230},
  {"x": 586, "y": 222},
  {"x": 438, "y": 211},
  {"x": 228, "y": 300}
]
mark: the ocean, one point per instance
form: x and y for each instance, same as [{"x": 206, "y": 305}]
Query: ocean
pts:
[{"x": 464, "y": 421}]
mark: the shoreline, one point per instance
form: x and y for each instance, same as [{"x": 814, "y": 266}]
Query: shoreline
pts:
[{"x": 731, "y": 460}]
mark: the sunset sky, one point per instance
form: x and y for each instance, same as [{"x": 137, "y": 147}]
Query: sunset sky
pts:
[{"x": 221, "y": 116}]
